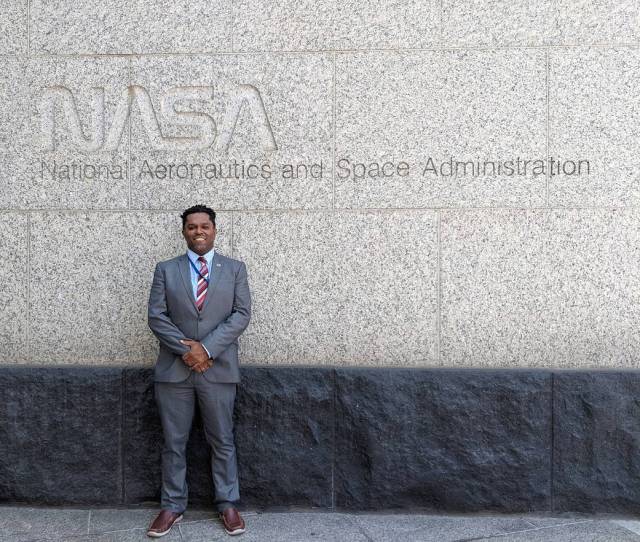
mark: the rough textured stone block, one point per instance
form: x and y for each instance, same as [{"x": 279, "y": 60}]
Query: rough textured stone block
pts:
[
  {"x": 596, "y": 450},
  {"x": 54, "y": 114},
  {"x": 540, "y": 288},
  {"x": 594, "y": 111},
  {"x": 141, "y": 437},
  {"x": 443, "y": 439},
  {"x": 334, "y": 288},
  {"x": 257, "y": 114},
  {"x": 284, "y": 436},
  {"x": 91, "y": 279},
  {"x": 60, "y": 435},
  {"x": 428, "y": 110},
  {"x": 115, "y": 26},
  {"x": 547, "y": 22},
  {"x": 264, "y": 26},
  {"x": 13, "y": 27},
  {"x": 357, "y": 438},
  {"x": 14, "y": 291}
]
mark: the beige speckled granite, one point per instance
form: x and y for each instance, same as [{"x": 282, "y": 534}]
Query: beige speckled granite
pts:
[
  {"x": 136, "y": 26},
  {"x": 594, "y": 112},
  {"x": 469, "y": 105},
  {"x": 261, "y": 25},
  {"x": 544, "y": 22},
  {"x": 547, "y": 288},
  {"x": 14, "y": 272},
  {"x": 353, "y": 288},
  {"x": 13, "y": 27}
]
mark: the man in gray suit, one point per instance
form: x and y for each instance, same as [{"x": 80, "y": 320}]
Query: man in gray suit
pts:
[{"x": 198, "y": 306}]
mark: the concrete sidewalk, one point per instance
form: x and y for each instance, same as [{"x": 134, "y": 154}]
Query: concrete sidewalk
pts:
[{"x": 27, "y": 524}]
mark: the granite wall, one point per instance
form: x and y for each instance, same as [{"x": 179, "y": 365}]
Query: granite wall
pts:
[{"x": 328, "y": 136}]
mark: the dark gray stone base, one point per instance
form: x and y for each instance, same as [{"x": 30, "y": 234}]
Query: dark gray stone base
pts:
[
  {"x": 358, "y": 439},
  {"x": 443, "y": 439},
  {"x": 60, "y": 435},
  {"x": 596, "y": 461}
]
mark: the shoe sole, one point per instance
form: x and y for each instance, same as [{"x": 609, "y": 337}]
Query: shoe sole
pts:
[
  {"x": 234, "y": 532},
  {"x": 153, "y": 534}
]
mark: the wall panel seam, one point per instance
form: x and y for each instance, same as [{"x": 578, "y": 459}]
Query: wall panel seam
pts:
[
  {"x": 130, "y": 68},
  {"x": 439, "y": 288},
  {"x": 546, "y": 56},
  {"x": 461, "y": 48},
  {"x": 29, "y": 287},
  {"x": 333, "y": 137},
  {"x": 121, "y": 445},
  {"x": 233, "y": 245},
  {"x": 326, "y": 209},
  {"x": 551, "y": 484},
  {"x": 333, "y": 438},
  {"x": 441, "y": 36},
  {"x": 233, "y": 26},
  {"x": 28, "y": 28}
]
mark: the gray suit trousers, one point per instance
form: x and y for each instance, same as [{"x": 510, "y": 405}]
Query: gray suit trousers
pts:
[{"x": 176, "y": 405}]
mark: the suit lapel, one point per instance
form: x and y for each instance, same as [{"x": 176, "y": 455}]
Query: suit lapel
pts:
[
  {"x": 217, "y": 266},
  {"x": 185, "y": 273}
]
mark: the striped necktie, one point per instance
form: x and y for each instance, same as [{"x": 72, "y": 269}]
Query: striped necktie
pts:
[{"x": 203, "y": 280}]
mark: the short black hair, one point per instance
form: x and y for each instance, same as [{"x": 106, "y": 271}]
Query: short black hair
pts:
[{"x": 198, "y": 209}]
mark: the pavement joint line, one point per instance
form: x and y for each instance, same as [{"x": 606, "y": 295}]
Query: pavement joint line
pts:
[
  {"x": 204, "y": 520},
  {"x": 99, "y": 533},
  {"x": 218, "y": 536},
  {"x": 354, "y": 521},
  {"x": 617, "y": 522},
  {"x": 502, "y": 535},
  {"x": 89, "y": 522},
  {"x": 182, "y": 522}
]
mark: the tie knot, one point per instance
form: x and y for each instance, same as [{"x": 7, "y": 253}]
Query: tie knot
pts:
[{"x": 202, "y": 259}]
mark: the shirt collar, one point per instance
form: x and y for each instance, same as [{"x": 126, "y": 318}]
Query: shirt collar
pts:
[{"x": 194, "y": 257}]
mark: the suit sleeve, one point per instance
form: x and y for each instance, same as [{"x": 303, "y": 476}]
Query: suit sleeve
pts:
[
  {"x": 158, "y": 316},
  {"x": 231, "y": 327}
]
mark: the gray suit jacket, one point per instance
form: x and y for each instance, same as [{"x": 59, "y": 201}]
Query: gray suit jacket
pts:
[{"x": 173, "y": 316}]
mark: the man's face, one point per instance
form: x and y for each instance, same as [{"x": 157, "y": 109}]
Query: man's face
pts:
[{"x": 199, "y": 232}]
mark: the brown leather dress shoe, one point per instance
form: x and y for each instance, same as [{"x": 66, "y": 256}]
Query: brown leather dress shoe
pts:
[
  {"x": 163, "y": 523},
  {"x": 232, "y": 521}
]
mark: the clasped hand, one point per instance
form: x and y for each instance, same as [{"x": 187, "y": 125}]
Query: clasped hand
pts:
[{"x": 197, "y": 357}]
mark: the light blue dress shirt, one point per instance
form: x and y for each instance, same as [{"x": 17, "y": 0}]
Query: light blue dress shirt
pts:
[{"x": 195, "y": 276}]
